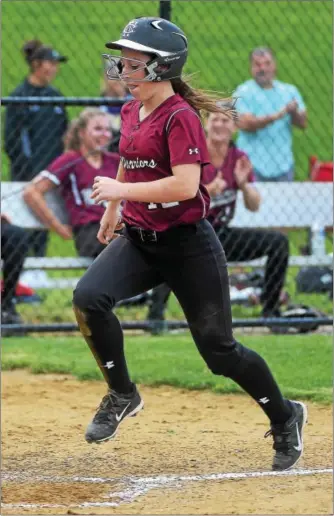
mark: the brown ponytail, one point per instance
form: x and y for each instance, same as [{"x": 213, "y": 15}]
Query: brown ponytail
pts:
[
  {"x": 29, "y": 49},
  {"x": 202, "y": 101},
  {"x": 72, "y": 140}
]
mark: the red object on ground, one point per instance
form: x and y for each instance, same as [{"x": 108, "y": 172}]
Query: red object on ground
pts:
[
  {"x": 320, "y": 171},
  {"x": 21, "y": 290}
]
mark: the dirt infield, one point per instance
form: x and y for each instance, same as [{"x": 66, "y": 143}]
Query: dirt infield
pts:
[{"x": 186, "y": 453}]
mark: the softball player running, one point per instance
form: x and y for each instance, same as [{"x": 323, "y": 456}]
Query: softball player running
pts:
[{"x": 166, "y": 237}]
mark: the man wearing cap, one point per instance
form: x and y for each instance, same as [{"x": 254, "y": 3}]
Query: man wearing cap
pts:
[
  {"x": 268, "y": 109},
  {"x": 33, "y": 133}
]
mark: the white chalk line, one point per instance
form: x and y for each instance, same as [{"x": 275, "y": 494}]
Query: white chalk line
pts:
[{"x": 138, "y": 486}]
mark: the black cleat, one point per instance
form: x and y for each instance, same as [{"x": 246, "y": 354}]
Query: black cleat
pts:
[
  {"x": 9, "y": 315},
  {"x": 288, "y": 438},
  {"x": 157, "y": 327},
  {"x": 113, "y": 409}
]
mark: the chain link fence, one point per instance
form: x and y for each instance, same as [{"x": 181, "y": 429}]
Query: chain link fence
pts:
[{"x": 221, "y": 35}]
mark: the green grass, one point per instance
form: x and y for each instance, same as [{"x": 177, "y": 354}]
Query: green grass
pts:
[
  {"x": 301, "y": 364},
  {"x": 221, "y": 35}
]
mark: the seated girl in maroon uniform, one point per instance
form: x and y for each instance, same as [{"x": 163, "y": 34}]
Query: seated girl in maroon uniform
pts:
[{"x": 73, "y": 172}]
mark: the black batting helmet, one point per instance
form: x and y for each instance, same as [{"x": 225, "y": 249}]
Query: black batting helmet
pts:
[{"x": 158, "y": 37}]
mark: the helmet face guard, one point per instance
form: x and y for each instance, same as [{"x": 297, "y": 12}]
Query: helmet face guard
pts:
[
  {"x": 113, "y": 68},
  {"x": 157, "y": 68}
]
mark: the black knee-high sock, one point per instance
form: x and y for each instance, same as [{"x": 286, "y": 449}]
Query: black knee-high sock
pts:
[
  {"x": 254, "y": 376},
  {"x": 104, "y": 335}
]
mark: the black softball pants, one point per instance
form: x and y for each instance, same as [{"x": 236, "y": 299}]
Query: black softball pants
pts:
[
  {"x": 39, "y": 239},
  {"x": 85, "y": 240},
  {"x": 248, "y": 244},
  {"x": 191, "y": 260},
  {"x": 14, "y": 249}
]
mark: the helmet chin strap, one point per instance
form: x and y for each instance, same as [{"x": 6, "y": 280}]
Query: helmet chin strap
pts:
[{"x": 152, "y": 76}]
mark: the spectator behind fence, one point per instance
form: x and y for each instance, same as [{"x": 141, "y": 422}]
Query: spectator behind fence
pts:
[
  {"x": 33, "y": 133},
  {"x": 14, "y": 249},
  {"x": 73, "y": 172},
  {"x": 116, "y": 89},
  {"x": 230, "y": 170},
  {"x": 268, "y": 109}
]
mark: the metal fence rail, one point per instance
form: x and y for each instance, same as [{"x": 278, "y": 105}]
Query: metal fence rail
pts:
[
  {"x": 62, "y": 101},
  {"x": 277, "y": 322}
]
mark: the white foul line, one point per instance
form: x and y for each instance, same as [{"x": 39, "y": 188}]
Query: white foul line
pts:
[{"x": 137, "y": 486}]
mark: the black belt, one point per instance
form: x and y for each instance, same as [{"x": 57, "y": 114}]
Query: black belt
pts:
[
  {"x": 144, "y": 235},
  {"x": 151, "y": 236}
]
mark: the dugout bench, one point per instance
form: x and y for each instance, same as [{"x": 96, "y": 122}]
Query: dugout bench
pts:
[{"x": 284, "y": 206}]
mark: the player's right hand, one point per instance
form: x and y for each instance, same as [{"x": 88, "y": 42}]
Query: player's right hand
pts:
[{"x": 110, "y": 223}]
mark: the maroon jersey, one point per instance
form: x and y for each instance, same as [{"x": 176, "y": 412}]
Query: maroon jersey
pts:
[
  {"x": 222, "y": 215},
  {"x": 75, "y": 178},
  {"x": 171, "y": 135}
]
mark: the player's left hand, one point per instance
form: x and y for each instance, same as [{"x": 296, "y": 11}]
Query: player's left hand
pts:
[
  {"x": 242, "y": 171},
  {"x": 107, "y": 189}
]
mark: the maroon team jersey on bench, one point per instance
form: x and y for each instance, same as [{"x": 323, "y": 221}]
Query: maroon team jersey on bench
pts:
[
  {"x": 221, "y": 216},
  {"x": 75, "y": 178}
]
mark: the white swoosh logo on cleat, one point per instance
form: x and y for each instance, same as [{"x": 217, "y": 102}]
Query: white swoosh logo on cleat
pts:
[
  {"x": 299, "y": 447},
  {"x": 119, "y": 417}
]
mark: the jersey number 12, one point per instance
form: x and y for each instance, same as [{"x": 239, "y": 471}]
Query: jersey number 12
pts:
[{"x": 153, "y": 206}]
